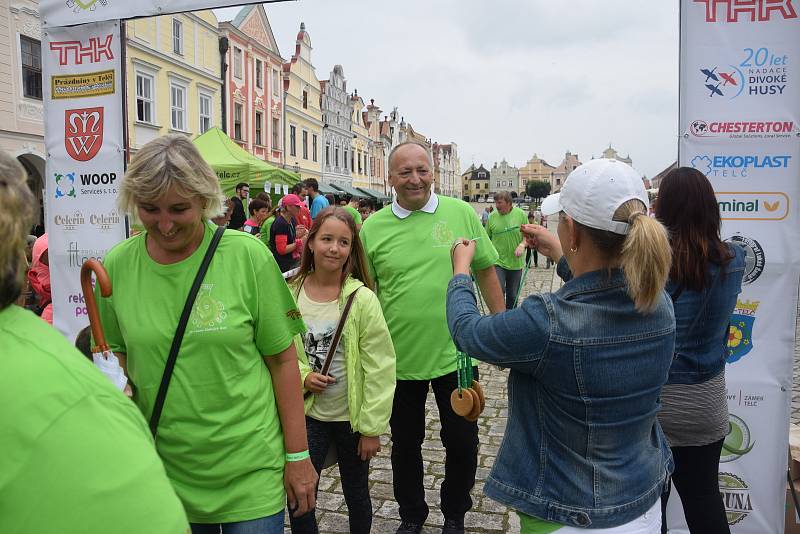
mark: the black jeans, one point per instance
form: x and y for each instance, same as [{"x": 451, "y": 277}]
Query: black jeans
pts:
[
  {"x": 696, "y": 479},
  {"x": 509, "y": 284},
  {"x": 460, "y": 440},
  {"x": 353, "y": 471},
  {"x": 535, "y": 253}
]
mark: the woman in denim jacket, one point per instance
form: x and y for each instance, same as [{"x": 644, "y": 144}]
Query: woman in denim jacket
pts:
[
  {"x": 705, "y": 279},
  {"x": 582, "y": 447}
]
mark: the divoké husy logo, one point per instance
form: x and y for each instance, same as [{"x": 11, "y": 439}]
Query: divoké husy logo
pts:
[{"x": 751, "y": 73}]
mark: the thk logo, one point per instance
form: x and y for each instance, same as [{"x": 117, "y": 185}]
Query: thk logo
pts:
[
  {"x": 74, "y": 52},
  {"x": 747, "y": 10},
  {"x": 83, "y": 134}
]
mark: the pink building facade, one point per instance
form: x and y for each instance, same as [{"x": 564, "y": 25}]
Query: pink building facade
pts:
[{"x": 253, "y": 85}]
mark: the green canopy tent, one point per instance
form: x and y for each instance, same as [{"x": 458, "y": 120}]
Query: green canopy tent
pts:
[{"x": 233, "y": 164}]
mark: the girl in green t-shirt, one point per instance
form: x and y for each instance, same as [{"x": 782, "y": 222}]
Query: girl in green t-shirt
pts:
[{"x": 349, "y": 406}]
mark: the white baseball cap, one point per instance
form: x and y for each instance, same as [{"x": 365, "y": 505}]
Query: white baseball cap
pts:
[{"x": 594, "y": 191}]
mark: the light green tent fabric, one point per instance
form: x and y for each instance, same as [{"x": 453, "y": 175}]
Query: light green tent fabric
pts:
[{"x": 233, "y": 164}]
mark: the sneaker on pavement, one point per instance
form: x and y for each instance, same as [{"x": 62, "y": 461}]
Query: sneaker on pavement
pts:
[
  {"x": 407, "y": 527},
  {"x": 453, "y": 526}
]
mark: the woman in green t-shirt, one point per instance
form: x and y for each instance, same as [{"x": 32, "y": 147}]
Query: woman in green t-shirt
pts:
[
  {"x": 232, "y": 432},
  {"x": 349, "y": 403}
]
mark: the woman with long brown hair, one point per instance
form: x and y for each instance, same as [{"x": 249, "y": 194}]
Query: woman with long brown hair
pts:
[
  {"x": 704, "y": 281},
  {"x": 351, "y": 394}
]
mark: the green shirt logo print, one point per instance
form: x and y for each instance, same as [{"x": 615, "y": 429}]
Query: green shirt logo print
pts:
[
  {"x": 442, "y": 235},
  {"x": 208, "y": 312}
]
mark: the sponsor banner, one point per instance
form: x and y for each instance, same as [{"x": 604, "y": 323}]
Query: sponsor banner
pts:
[
  {"x": 70, "y": 12},
  {"x": 83, "y": 138},
  {"x": 740, "y": 126}
]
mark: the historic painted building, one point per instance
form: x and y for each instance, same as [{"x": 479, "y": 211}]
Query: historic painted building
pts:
[
  {"x": 303, "y": 148},
  {"x": 21, "y": 110},
  {"x": 560, "y": 173},
  {"x": 611, "y": 153},
  {"x": 337, "y": 133},
  {"x": 447, "y": 170},
  {"x": 174, "y": 76},
  {"x": 505, "y": 177},
  {"x": 360, "y": 147},
  {"x": 378, "y": 155},
  {"x": 476, "y": 183},
  {"x": 253, "y": 85},
  {"x": 535, "y": 169}
]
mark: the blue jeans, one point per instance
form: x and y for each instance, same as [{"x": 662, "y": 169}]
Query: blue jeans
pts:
[
  {"x": 272, "y": 524},
  {"x": 509, "y": 284}
]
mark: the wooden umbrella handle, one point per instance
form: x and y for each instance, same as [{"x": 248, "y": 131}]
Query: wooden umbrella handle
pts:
[{"x": 89, "y": 267}]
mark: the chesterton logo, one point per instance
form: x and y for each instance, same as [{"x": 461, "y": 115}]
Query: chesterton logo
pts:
[
  {"x": 737, "y": 166},
  {"x": 70, "y": 222},
  {"x": 740, "y": 330},
  {"x": 105, "y": 222},
  {"x": 742, "y": 129},
  {"x": 78, "y": 6},
  {"x": 738, "y": 441},
  {"x": 83, "y": 85},
  {"x": 83, "y": 135},
  {"x": 70, "y": 53},
  {"x": 736, "y": 497},
  {"x": 758, "y": 72},
  {"x": 753, "y": 206},
  {"x": 748, "y": 10},
  {"x": 754, "y": 259}
]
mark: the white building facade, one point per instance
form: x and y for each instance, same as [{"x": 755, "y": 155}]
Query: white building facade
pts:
[{"x": 337, "y": 129}]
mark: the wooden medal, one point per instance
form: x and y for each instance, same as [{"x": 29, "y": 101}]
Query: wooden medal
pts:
[
  {"x": 481, "y": 395},
  {"x": 462, "y": 403},
  {"x": 476, "y": 407}
]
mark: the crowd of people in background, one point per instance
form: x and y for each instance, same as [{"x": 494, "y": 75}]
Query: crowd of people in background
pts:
[{"x": 289, "y": 357}]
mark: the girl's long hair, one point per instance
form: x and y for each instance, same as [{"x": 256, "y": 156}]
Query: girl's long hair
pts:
[
  {"x": 687, "y": 206},
  {"x": 356, "y": 264}
]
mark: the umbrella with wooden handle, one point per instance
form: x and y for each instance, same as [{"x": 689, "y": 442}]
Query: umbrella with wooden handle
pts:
[{"x": 95, "y": 267}]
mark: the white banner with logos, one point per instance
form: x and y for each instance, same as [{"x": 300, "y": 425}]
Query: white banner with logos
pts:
[
  {"x": 740, "y": 126},
  {"x": 70, "y": 12},
  {"x": 82, "y": 88}
]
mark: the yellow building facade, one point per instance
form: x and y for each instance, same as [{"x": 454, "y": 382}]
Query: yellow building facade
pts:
[
  {"x": 360, "y": 147},
  {"x": 174, "y": 78},
  {"x": 303, "y": 115},
  {"x": 535, "y": 169}
]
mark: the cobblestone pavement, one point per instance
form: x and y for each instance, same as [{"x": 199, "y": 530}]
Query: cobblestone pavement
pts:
[{"x": 486, "y": 515}]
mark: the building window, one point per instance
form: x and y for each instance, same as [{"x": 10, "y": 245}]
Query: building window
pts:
[
  {"x": 259, "y": 121},
  {"x": 305, "y": 99},
  {"x": 327, "y": 154},
  {"x": 177, "y": 36},
  {"x": 336, "y": 157},
  {"x": 314, "y": 147},
  {"x": 275, "y": 83},
  {"x": 259, "y": 74},
  {"x": 345, "y": 159},
  {"x": 276, "y": 133},
  {"x": 305, "y": 144},
  {"x": 292, "y": 141},
  {"x": 237, "y": 62},
  {"x": 178, "y": 107},
  {"x": 31, "y": 51},
  {"x": 238, "y": 112},
  {"x": 359, "y": 162},
  {"x": 205, "y": 112},
  {"x": 144, "y": 98},
  {"x": 352, "y": 159}
]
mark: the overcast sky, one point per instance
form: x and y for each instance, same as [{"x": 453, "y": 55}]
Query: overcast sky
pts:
[{"x": 506, "y": 78}]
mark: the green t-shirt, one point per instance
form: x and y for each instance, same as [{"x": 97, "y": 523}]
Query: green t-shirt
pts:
[
  {"x": 410, "y": 263},
  {"x": 219, "y": 436},
  {"x": 505, "y": 237},
  {"x": 533, "y": 525},
  {"x": 354, "y": 212},
  {"x": 77, "y": 456},
  {"x": 266, "y": 227}
]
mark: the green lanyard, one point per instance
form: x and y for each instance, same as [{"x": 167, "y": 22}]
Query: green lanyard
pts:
[{"x": 464, "y": 371}]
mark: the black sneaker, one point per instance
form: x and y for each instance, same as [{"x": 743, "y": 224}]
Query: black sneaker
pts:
[
  {"x": 453, "y": 526},
  {"x": 407, "y": 526}
]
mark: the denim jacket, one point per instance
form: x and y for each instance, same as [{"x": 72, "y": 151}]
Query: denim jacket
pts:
[
  {"x": 700, "y": 354},
  {"x": 582, "y": 445}
]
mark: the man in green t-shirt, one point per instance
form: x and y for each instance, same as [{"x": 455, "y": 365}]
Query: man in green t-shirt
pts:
[
  {"x": 352, "y": 208},
  {"x": 408, "y": 253},
  {"x": 503, "y": 229}
]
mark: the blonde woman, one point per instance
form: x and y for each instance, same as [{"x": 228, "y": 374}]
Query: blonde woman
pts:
[
  {"x": 232, "y": 431},
  {"x": 77, "y": 455},
  {"x": 583, "y": 447}
]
